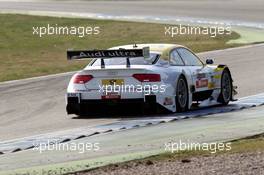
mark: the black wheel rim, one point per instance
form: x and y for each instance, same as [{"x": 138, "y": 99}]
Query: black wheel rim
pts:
[{"x": 182, "y": 93}]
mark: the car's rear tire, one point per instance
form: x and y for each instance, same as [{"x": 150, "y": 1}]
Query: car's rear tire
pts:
[
  {"x": 73, "y": 108},
  {"x": 226, "y": 88},
  {"x": 182, "y": 95}
]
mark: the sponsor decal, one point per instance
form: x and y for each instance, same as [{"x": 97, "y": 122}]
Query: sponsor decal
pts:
[
  {"x": 219, "y": 69},
  {"x": 168, "y": 101},
  {"x": 111, "y": 95},
  {"x": 202, "y": 83},
  {"x": 201, "y": 75},
  {"x": 211, "y": 85},
  {"x": 127, "y": 53},
  {"x": 73, "y": 95},
  {"x": 112, "y": 82},
  {"x": 217, "y": 76},
  {"x": 114, "y": 53}
]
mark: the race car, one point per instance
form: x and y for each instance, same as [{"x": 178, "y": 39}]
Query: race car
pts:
[{"x": 167, "y": 76}]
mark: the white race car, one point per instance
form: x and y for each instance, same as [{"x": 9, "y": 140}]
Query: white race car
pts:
[{"x": 166, "y": 76}]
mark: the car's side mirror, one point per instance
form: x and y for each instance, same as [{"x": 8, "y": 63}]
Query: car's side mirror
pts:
[{"x": 209, "y": 61}]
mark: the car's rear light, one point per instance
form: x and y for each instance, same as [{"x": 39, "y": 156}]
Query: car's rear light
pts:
[
  {"x": 147, "y": 77},
  {"x": 81, "y": 79}
]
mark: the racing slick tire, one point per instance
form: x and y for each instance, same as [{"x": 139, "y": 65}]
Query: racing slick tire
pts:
[
  {"x": 226, "y": 88},
  {"x": 73, "y": 109},
  {"x": 182, "y": 95}
]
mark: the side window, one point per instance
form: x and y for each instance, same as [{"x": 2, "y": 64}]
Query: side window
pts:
[
  {"x": 189, "y": 58},
  {"x": 175, "y": 59}
]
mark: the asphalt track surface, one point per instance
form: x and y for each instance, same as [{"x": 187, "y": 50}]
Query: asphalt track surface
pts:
[
  {"x": 239, "y": 10},
  {"x": 134, "y": 144},
  {"x": 36, "y": 106}
]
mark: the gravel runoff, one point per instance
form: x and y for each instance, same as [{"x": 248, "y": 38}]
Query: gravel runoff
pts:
[{"x": 221, "y": 164}]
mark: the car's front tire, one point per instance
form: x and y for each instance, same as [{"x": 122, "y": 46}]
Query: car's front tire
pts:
[
  {"x": 182, "y": 95},
  {"x": 226, "y": 88}
]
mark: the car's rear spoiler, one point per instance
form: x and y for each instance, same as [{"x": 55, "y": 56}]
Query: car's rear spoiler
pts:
[{"x": 104, "y": 54}]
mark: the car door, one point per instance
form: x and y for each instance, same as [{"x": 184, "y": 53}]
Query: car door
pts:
[
  {"x": 178, "y": 66},
  {"x": 200, "y": 74}
]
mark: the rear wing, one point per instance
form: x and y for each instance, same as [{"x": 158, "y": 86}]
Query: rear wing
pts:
[{"x": 106, "y": 54}]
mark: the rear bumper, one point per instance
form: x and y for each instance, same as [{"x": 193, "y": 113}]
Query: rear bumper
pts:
[{"x": 79, "y": 106}]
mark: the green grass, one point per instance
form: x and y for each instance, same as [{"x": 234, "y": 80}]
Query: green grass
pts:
[
  {"x": 26, "y": 55},
  {"x": 251, "y": 144}
]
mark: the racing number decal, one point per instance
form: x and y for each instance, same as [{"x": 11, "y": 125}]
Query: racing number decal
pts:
[{"x": 202, "y": 83}]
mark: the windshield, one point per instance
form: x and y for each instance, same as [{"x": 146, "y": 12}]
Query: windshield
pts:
[{"x": 133, "y": 61}]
